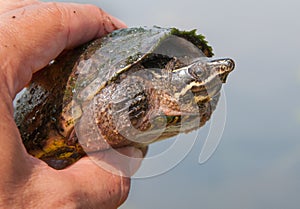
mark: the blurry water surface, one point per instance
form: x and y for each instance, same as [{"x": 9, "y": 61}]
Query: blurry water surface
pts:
[{"x": 257, "y": 164}]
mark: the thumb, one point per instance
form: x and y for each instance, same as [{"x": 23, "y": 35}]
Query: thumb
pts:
[{"x": 24, "y": 49}]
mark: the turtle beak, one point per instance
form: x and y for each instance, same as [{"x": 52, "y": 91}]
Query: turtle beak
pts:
[{"x": 222, "y": 66}]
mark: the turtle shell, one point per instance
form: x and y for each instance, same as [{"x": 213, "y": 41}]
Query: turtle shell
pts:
[
  {"x": 106, "y": 58},
  {"x": 49, "y": 108}
]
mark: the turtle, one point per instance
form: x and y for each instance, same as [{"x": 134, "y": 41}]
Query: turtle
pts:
[{"x": 133, "y": 87}]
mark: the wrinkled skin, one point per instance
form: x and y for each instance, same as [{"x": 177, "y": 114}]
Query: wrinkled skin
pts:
[{"x": 26, "y": 181}]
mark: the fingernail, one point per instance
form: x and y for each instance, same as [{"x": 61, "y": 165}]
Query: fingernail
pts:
[{"x": 117, "y": 22}]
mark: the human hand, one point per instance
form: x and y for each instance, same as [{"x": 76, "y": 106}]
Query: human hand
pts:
[{"x": 33, "y": 33}]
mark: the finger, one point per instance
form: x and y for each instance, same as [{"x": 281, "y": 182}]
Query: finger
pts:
[
  {"x": 118, "y": 160},
  {"x": 108, "y": 186},
  {"x": 34, "y": 35},
  {"x": 7, "y": 6}
]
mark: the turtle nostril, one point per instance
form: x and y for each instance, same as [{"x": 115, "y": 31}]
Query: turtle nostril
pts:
[{"x": 230, "y": 64}]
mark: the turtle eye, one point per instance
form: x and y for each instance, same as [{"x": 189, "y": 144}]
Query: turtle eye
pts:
[{"x": 198, "y": 71}]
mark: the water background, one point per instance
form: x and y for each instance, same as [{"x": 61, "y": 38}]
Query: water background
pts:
[{"x": 257, "y": 164}]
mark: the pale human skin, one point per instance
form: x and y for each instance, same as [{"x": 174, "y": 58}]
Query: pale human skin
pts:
[{"x": 32, "y": 34}]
